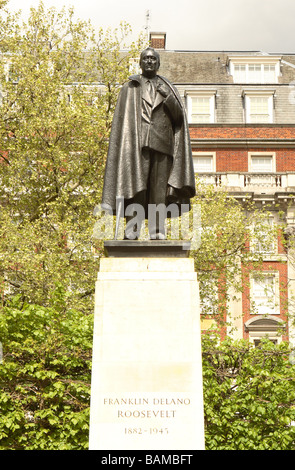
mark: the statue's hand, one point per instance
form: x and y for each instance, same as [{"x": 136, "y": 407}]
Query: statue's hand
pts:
[{"x": 163, "y": 89}]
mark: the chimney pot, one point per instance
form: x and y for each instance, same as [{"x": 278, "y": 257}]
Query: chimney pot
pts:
[{"x": 158, "y": 40}]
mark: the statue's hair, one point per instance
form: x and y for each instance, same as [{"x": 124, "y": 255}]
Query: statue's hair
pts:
[{"x": 156, "y": 53}]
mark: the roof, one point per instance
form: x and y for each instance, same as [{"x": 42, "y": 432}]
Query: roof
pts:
[{"x": 208, "y": 67}]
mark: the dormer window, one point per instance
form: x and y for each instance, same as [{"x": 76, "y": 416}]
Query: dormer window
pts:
[
  {"x": 200, "y": 106},
  {"x": 259, "y": 105},
  {"x": 258, "y": 69}
]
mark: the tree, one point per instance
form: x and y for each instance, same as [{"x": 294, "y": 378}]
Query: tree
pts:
[
  {"x": 249, "y": 395},
  {"x": 59, "y": 83},
  {"x": 45, "y": 375},
  {"x": 229, "y": 233},
  {"x": 288, "y": 241}
]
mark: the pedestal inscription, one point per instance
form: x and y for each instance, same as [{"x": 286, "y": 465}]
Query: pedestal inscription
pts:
[{"x": 147, "y": 377}]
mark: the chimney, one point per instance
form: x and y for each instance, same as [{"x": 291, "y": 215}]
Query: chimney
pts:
[{"x": 158, "y": 40}]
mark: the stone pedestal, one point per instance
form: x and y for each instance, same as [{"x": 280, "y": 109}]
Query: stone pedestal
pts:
[{"x": 146, "y": 391}]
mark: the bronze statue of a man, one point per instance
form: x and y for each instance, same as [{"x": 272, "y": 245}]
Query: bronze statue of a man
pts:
[{"x": 149, "y": 158}]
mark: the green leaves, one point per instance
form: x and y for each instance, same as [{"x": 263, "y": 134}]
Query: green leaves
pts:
[
  {"x": 44, "y": 376},
  {"x": 59, "y": 82},
  {"x": 227, "y": 251},
  {"x": 249, "y": 393},
  {"x": 56, "y": 110},
  {"x": 249, "y": 396}
]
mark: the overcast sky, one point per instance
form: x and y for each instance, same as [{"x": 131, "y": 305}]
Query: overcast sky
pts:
[{"x": 229, "y": 25}]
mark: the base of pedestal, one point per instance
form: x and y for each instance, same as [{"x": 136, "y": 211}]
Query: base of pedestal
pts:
[
  {"x": 147, "y": 249},
  {"x": 146, "y": 391}
]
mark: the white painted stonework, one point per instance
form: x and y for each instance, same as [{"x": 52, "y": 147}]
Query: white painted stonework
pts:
[{"x": 146, "y": 391}]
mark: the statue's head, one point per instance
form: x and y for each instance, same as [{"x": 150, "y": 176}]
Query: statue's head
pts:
[{"x": 149, "y": 62}]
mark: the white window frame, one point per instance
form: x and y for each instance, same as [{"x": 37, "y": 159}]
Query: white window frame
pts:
[
  {"x": 258, "y": 246},
  {"x": 262, "y": 177},
  {"x": 268, "y": 95},
  {"x": 272, "y": 309},
  {"x": 253, "y": 155},
  {"x": 209, "y": 306},
  {"x": 248, "y": 61},
  {"x": 208, "y": 94},
  {"x": 211, "y": 155}
]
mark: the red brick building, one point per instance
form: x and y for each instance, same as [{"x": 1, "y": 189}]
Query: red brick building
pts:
[{"x": 241, "y": 112}]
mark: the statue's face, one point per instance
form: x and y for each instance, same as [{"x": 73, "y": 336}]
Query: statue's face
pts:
[{"x": 149, "y": 64}]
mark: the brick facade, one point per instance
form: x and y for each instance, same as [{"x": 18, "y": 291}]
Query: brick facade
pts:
[
  {"x": 231, "y": 138},
  {"x": 236, "y": 160},
  {"x": 245, "y": 132}
]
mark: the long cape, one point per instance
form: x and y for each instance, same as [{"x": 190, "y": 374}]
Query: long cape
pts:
[{"x": 123, "y": 173}]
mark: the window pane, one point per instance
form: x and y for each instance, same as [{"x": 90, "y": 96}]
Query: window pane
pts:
[
  {"x": 200, "y": 118},
  {"x": 261, "y": 164},
  {"x": 254, "y": 73},
  {"x": 259, "y": 109},
  {"x": 201, "y": 105},
  {"x": 203, "y": 164},
  {"x": 240, "y": 73},
  {"x": 201, "y": 111},
  {"x": 269, "y": 73},
  {"x": 261, "y": 287},
  {"x": 259, "y": 105},
  {"x": 259, "y": 118},
  {"x": 264, "y": 295},
  {"x": 264, "y": 238}
]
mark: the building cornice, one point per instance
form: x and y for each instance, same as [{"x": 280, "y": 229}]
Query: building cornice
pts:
[
  {"x": 241, "y": 143},
  {"x": 251, "y": 59},
  {"x": 249, "y": 126}
]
